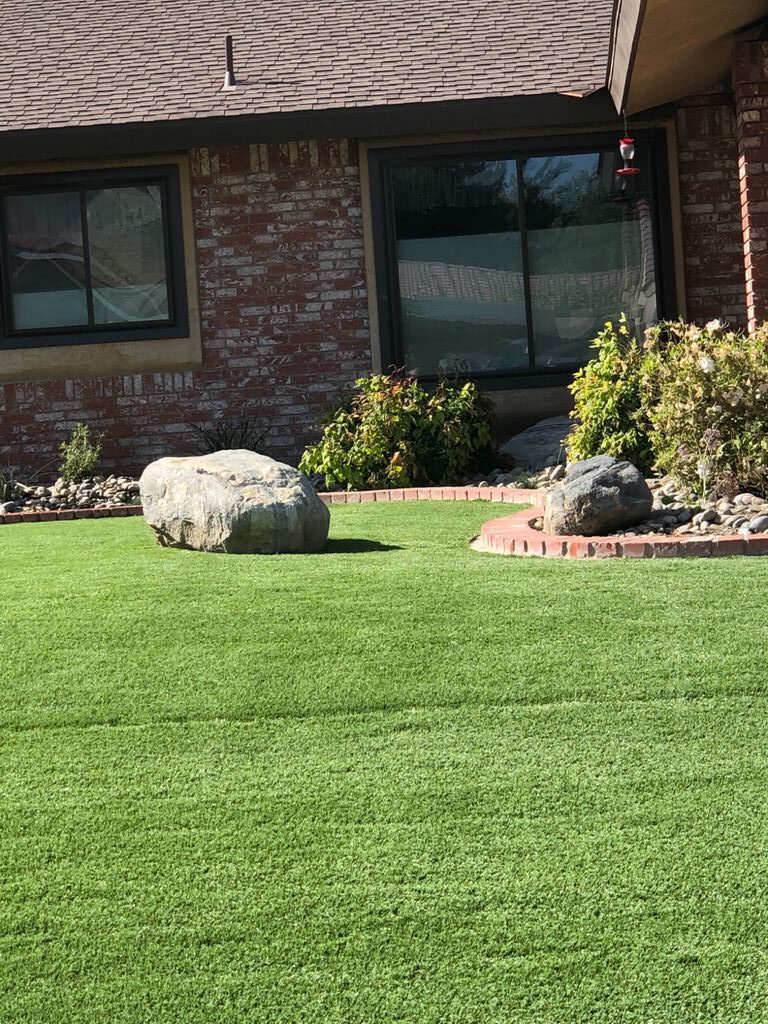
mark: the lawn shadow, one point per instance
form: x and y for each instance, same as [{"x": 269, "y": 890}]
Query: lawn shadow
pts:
[{"x": 352, "y": 546}]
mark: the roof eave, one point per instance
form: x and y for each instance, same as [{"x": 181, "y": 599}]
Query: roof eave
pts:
[
  {"x": 662, "y": 50},
  {"x": 491, "y": 114}
]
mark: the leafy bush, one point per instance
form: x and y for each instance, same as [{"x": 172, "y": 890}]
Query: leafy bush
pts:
[
  {"x": 80, "y": 454},
  {"x": 706, "y": 397},
  {"x": 392, "y": 433},
  {"x": 690, "y": 402},
  {"x": 223, "y": 435},
  {"x": 610, "y": 415}
]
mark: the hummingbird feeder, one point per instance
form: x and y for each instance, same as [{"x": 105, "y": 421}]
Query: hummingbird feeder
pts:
[{"x": 627, "y": 150}]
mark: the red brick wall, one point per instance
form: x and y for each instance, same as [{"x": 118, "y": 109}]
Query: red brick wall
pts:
[
  {"x": 750, "y": 83},
  {"x": 284, "y": 316},
  {"x": 711, "y": 209}
]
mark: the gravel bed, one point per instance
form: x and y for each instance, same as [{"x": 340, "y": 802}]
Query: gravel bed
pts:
[{"x": 93, "y": 492}]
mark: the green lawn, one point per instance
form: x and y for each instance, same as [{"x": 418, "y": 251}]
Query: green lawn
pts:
[{"x": 399, "y": 781}]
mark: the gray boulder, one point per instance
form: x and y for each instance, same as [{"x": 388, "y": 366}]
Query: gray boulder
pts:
[
  {"x": 236, "y": 502},
  {"x": 540, "y": 445},
  {"x": 597, "y": 496}
]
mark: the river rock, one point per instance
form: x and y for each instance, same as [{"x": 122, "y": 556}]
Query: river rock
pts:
[
  {"x": 597, "y": 496},
  {"x": 236, "y": 502}
]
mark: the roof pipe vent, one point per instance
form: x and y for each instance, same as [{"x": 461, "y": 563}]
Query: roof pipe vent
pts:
[{"x": 229, "y": 78}]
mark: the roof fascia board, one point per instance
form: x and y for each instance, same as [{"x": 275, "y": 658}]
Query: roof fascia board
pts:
[
  {"x": 516, "y": 113},
  {"x": 625, "y": 35}
]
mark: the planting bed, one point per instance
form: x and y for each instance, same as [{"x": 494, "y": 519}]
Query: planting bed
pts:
[{"x": 519, "y": 534}]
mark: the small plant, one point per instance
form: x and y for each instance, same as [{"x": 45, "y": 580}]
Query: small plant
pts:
[
  {"x": 8, "y": 485},
  {"x": 392, "y": 433},
  {"x": 223, "y": 435},
  {"x": 610, "y": 415},
  {"x": 526, "y": 480},
  {"x": 80, "y": 454},
  {"x": 706, "y": 400}
]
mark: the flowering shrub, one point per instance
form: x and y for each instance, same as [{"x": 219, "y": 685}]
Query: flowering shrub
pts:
[
  {"x": 706, "y": 397},
  {"x": 392, "y": 433},
  {"x": 691, "y": 402},
  {"x": 609, "y": 411}
]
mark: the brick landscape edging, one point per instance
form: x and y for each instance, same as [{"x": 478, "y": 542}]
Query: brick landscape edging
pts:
[
  {"x": 515, "y": 535},
  {"x": 509, "y": 495},
  {"x": 52, "y": 515},
  {"x": 510, "y": 535}
]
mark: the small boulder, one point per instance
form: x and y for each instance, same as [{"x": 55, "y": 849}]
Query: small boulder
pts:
[
  {"x": 597, "y": 496},
  {"x": 236, "y": 502}
]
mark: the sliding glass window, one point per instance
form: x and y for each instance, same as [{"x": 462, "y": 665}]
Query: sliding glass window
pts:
[{"x": 508, "y": 263}]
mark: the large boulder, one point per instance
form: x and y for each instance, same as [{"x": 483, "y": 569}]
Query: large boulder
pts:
[
  {"x": 236, "y": 502},
  {"x": 597, "y": 496},
  {"x": 540, "y": 445}
]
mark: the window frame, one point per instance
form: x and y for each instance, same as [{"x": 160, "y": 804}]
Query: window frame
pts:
[
  {"x": 380, "y": 161},
  {"x": 166, "y": 177}
]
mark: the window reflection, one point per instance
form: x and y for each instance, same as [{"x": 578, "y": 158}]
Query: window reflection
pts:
[
  {"x": 460, "y": 243},
  {"x": 46, "y": 260},
  {"x": 590, "y": 253},
  {"x": 459, "y": 261},
  {"x": 127, "y": 247}
]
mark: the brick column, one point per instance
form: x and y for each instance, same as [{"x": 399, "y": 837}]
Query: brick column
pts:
[{"x": 750, "y": 87}]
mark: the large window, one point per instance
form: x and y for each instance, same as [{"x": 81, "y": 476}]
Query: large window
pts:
[
  {"x": 507, "y": 261},
  {"x": 95, "y": 256}
]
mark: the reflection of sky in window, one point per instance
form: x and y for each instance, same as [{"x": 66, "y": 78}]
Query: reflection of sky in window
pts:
[{"x": 570, "y": 167}]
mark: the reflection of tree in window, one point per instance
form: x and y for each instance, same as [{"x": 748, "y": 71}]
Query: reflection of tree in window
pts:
[
  {"x": 460, "y": 263},
  {"x": 433, "y": 200},
  {"x": 462, "y": 297},
  {"x": 588, "y": 253}
]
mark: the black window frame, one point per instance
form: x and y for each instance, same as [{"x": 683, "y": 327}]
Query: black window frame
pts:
[
  {"x": 380, "y": 162},
  {"x": 166, "y": 177}
]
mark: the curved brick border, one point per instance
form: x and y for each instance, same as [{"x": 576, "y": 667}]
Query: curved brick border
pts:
[
  {"x": 508, "y": 495},
  {"x": 515, "y": 535}
]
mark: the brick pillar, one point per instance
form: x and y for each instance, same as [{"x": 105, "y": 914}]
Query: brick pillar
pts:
[{"x": 750, "y": 87}]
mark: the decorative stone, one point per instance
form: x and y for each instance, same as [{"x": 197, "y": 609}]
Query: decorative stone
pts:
[
  {"x": 236, "y": 502},
  {"x": 540, "y": 445},
  {"x": 759, "y": 524},
  {"x": 597, "y": 496}
]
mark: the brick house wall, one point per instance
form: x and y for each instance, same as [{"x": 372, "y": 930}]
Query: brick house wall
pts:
[
  {"x": 280, "y": 260},
  {"x": 711, "y": 208},
  {"x": 750, "y": 84},
  {"x": 278, "y": 231}
]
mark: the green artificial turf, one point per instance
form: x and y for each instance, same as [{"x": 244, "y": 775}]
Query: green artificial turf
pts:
[{"x": 399, "y": 781}]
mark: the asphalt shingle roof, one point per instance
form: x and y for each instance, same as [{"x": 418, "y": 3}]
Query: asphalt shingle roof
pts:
[{"x": 88, "y": 62}]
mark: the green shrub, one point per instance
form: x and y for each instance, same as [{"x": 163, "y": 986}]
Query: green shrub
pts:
[
  {"x": 609, "y": 412},
  {"x": 392, "y": 433},
  {"x": 221, "y": 435},
  {"x": 706, "y": 397},
  {"x": 79, "y": 455}
]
